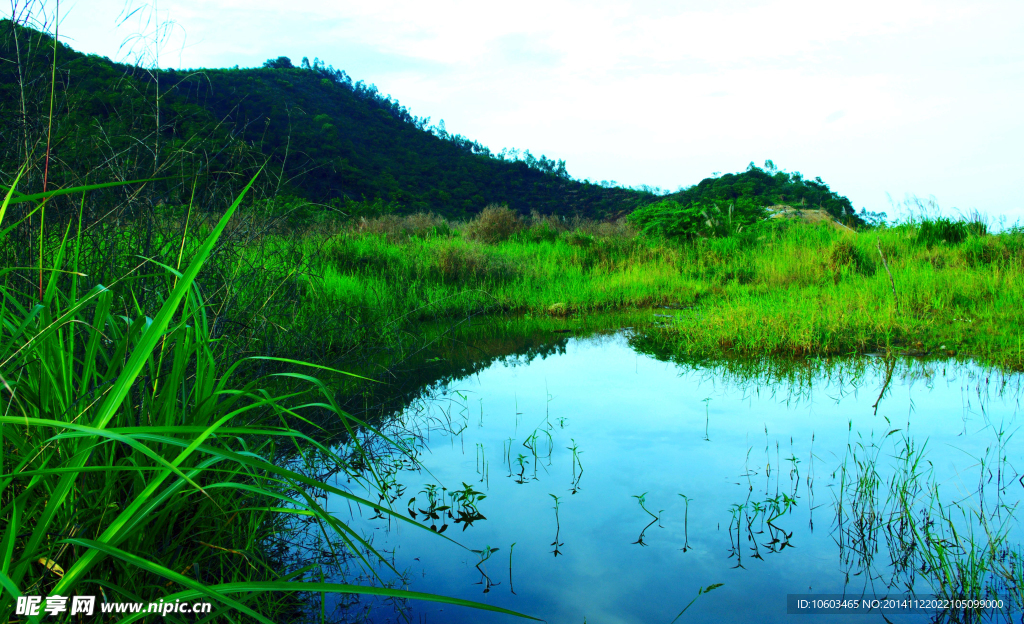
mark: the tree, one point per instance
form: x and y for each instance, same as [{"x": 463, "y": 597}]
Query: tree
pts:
[{"x": 281, "y": 62}]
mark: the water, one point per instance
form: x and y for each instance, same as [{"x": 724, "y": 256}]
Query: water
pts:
[{"x": 769, "y": 480}]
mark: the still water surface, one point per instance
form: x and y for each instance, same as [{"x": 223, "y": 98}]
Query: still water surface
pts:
[{"x": 670, "y": 478}]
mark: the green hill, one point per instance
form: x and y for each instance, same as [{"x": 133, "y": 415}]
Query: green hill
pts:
[
  {"x": 322, "y": 138},
  {"x": 328, "y": 139},
  {"x": 766, "y": 187}
]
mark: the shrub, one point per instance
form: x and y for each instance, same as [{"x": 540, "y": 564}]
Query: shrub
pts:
[
  {"x": 844, "y": 253},
  {"x": 620, "y": 228},
  {"x": 579, "y": 238},
  {"x": 387, "y": 226},
  {"x": 542, "y": 228},
  {"x": 539, "y": 232},
  {"x": 426, "y": 225},
  {"x": 670, "y": 219},
  {"x": 494, "y": 224},
  {"x": 397, "y": 228}
]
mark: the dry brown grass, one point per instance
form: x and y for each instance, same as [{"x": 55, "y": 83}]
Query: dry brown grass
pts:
[
  {"x": 453, "y": 263},
  {"x": 783, "y": 211},
  {"x": 494, "y": 224},
  {"x": 397, "y": 228}
]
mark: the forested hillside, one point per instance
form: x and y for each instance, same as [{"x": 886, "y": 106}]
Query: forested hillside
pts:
[
  {"x": 328, "y": 144},
  {"x": 323, "y": 137},
  {"x": 723, "y": 206},
  {"x": 765, "y": 187}
]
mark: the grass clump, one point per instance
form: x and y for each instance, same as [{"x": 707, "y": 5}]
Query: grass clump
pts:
[
  {"x": 845, "y": 256},
  {"x": 399, "y": 228},
  {"x": 935, "y": 229},
  {"x": 494, "y": 224},
  {"x": 941, "y": 230}
]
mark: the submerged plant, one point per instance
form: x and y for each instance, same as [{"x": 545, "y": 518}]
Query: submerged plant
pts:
[
  {"x": 707, "y": 419},
  {"x": 521, "y": 461},
  {"x": 467, "y": 512},
  {"x": 485, "y": 579}
]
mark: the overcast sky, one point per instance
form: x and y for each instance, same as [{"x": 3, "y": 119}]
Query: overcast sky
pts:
[{"x": 877, "y": 97}]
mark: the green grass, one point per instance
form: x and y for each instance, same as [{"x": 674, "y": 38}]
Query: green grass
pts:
[
  {"x": 158, "y": 429},
  {"x": 781, "y": 288},
  {"x": 139, "y": 463}
]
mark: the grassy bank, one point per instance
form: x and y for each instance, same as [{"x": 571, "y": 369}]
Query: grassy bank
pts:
[
  {"x": 351, "y": 293},
  {"x": 783, "y": 287},
  {"x": 142, "y": 462}
]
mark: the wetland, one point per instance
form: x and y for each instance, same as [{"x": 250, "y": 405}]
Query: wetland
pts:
[
  {"x": 590, "y": 477},
  {"x": 269, "y": 341}
]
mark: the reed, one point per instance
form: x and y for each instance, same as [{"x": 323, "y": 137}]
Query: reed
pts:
[
  {"x": 139, "y": 463},
  {"x": 959, "y": 546}
]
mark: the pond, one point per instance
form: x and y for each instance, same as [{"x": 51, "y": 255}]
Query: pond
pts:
[{"x": 592, "y": 481}]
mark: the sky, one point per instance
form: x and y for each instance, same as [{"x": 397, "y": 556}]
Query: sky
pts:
[{"x": 883, "y": 99}]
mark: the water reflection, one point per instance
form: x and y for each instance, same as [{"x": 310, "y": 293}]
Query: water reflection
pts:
[{"x": 775, "y": 477}]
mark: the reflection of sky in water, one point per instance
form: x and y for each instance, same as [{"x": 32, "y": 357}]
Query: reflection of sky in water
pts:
[{"x": 640, "y": 424}]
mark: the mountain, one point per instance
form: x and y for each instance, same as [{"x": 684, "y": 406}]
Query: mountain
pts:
[
  {"x": 322, "y": 137},
  {"x": 319, "y": 137}
]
